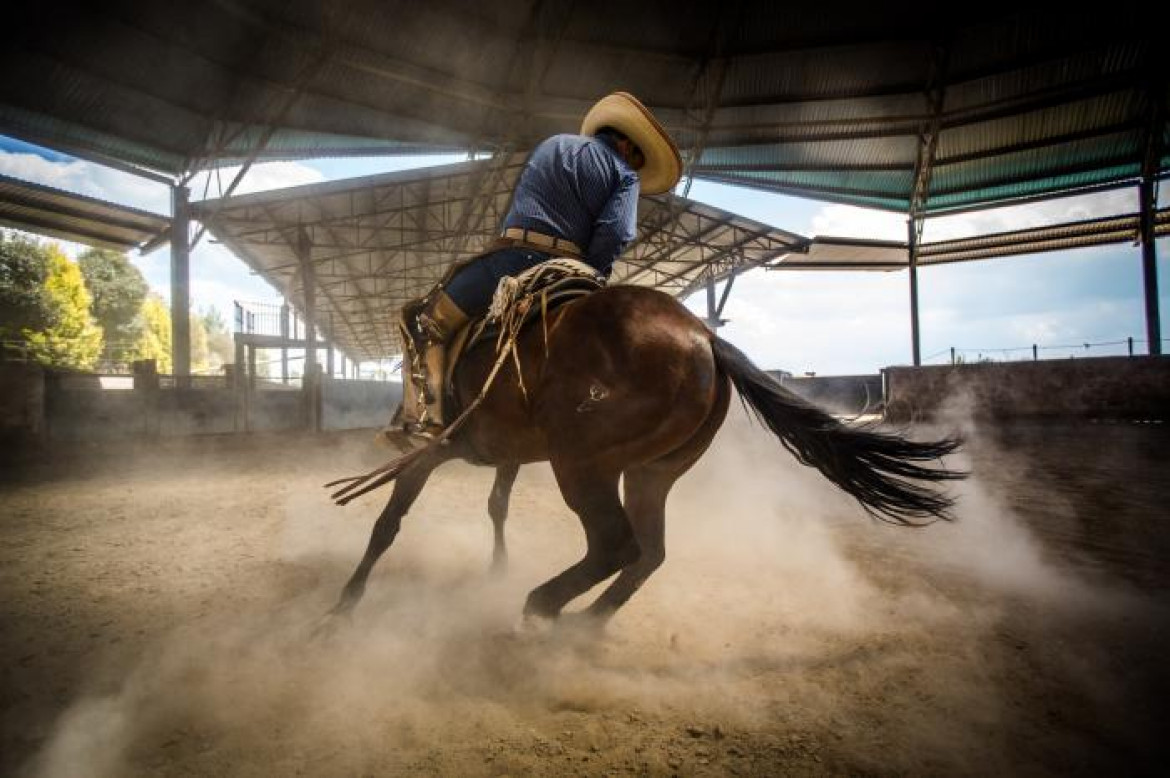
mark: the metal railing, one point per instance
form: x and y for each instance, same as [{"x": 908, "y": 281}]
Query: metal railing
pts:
[{"x": 1129, "y": 347}]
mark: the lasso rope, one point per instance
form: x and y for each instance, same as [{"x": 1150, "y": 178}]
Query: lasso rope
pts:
[{"x": 511, "y": 303}]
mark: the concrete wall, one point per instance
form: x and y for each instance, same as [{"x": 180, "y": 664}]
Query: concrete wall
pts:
[
  {"x": 357, "y": 404},
  {"x": 847, "y": 394},
  {"x": 38, "y": 406},
  {"x": 1102, "y": 387},
  {"x": 22, "y": 402}
]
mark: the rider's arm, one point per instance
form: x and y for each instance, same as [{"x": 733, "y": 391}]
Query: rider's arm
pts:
[{"x": 615, "y": 227}]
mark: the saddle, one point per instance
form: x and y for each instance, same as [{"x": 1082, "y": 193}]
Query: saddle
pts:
[{"x": 517, "y": 303}]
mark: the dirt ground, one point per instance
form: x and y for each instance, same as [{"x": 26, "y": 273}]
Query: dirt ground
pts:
[{"x": 157, "y": 603}]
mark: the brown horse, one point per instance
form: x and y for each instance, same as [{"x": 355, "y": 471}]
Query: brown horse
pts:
[{"x": 630, "y": 384}]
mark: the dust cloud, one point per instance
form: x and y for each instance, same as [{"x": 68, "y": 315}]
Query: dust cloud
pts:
[{"x": 785, "y": 631}]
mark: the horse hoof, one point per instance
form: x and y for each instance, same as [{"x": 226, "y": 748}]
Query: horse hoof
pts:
[
  {"x": 583, "y": 623},
  {"x": 330, "y": 625},
  {"x": 533, "y": 625}
]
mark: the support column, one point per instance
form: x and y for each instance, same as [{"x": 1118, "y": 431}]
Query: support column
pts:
[
  {"x": 329, "y": 349},
  {"x": 715, "y": 310},
  {"x": 284, "y": 349},
  {"x": 712, "y": 308},
  {"x": 1149, "y": 206},
  {"x": 311, "y": 380},
  {"x": 912, "y": 226},
  {"x": 180, "y": 286}
]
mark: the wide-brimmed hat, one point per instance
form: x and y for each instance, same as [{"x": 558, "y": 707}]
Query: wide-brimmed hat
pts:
[{"x": 623, "y": 112}]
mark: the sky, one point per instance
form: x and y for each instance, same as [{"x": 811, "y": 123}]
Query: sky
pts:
[{"x": 827, "y": 323}]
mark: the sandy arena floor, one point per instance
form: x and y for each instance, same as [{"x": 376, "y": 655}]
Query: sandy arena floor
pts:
[{"x": 157, "y": 603}]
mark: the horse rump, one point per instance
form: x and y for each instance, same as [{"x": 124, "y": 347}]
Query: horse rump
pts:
[{"x": 881, "y": 470}]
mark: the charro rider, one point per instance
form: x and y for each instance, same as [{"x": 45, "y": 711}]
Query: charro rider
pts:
[{"x": 577, "y": 198}]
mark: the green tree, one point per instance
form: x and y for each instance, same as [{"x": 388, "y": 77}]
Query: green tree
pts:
[
  {"x": 200, "y": 353},
  {"x": 24, "y": 300},
  {"x": 73, "y": 339},
  {"x": 220, "y": 345},
  {"x": 154, "y": 339},
  {"x": 118, "y": 290}
]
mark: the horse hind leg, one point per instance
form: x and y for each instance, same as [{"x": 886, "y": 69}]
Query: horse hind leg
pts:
[
  {"x": 498, "y": 510},
  {"x": 646, "y": 489},
  {"x": 609, "y": 537}
]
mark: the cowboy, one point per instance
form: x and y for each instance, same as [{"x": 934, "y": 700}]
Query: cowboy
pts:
[{"x": 577, "y": 197}]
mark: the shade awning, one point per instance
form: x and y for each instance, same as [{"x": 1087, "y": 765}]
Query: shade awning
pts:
[
  {"x": 377, "y": 242},
  {"x": 73, "y": 217},
  {"x": 830, "y": 253}
]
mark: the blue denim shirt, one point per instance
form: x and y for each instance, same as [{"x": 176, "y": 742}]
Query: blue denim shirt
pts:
[{"x": 579, "y": 188}]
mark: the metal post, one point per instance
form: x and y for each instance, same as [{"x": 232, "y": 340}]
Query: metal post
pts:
[
  {"x": 309, "y": 289},
  {"x": 912, "y": 244},
  {"x": 241, "y": 369},
  {"x": 284, "y": 349},
  {"x": 1150, "y": 267},
  {"x": 329, "y": 350},
  {"x": 180, "y": 286},
  {"x": 712, "y": 307}
]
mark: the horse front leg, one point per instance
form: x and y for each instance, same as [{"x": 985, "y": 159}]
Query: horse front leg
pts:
[
  {"x": 498, "y": 510},
  {"x": 406, "y": 490}
]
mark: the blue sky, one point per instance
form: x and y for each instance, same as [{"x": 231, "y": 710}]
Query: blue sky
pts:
[{"x": 830, "y": 323}]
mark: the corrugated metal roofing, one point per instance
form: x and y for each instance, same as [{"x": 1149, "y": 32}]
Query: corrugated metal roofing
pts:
[
  {"x": 830, "y": 253},
  {"x": 838, "y": 85},
  {"x": 380, "y": 241},
  {"x": 60, "y": 214}
]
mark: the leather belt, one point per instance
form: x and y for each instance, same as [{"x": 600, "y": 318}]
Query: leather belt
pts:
[{"x": 540, "y": 240}]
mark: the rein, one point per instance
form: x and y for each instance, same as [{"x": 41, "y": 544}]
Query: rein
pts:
[{"x": 358, "y": 485}]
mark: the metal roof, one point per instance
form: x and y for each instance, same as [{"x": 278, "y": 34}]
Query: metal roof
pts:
[
  {"x": 377, "y": 242},
  {"x": 830, "y": 253},
  {"x": 839, "y": 102},
  {"x": 48, "y": 211}
]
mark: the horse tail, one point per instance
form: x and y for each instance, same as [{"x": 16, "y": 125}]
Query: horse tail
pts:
[{"x": 880, "y": 469}]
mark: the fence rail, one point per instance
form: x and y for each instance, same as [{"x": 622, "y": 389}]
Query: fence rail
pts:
[{"x": 1036, "y": 352}]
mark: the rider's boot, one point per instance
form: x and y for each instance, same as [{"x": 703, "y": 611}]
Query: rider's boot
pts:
[
  {"x": 441, "y": 320},
  {"x": 425, "y": 335}
]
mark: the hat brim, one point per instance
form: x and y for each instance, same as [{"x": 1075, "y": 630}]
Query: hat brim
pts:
[{"x": 627, "y": 115}]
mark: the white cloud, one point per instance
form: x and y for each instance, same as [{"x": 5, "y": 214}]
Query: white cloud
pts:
[
  {"x": 89, "y": 179},
  {"x": 1020, "y": 217},
  {"x": 847, "y": 221},
  {"x": 261, "y": 177}
]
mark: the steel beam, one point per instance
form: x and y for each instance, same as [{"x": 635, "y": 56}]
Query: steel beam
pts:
[
  {"x": 309, "y": 290},
  {"x": 913, "y": 227},
  {"x": 1150, "y": 266},
  {"x": 180, "y": 286}
]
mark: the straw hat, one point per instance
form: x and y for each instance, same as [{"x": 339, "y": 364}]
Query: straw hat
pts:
[{"x": 627, "y": 115}]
